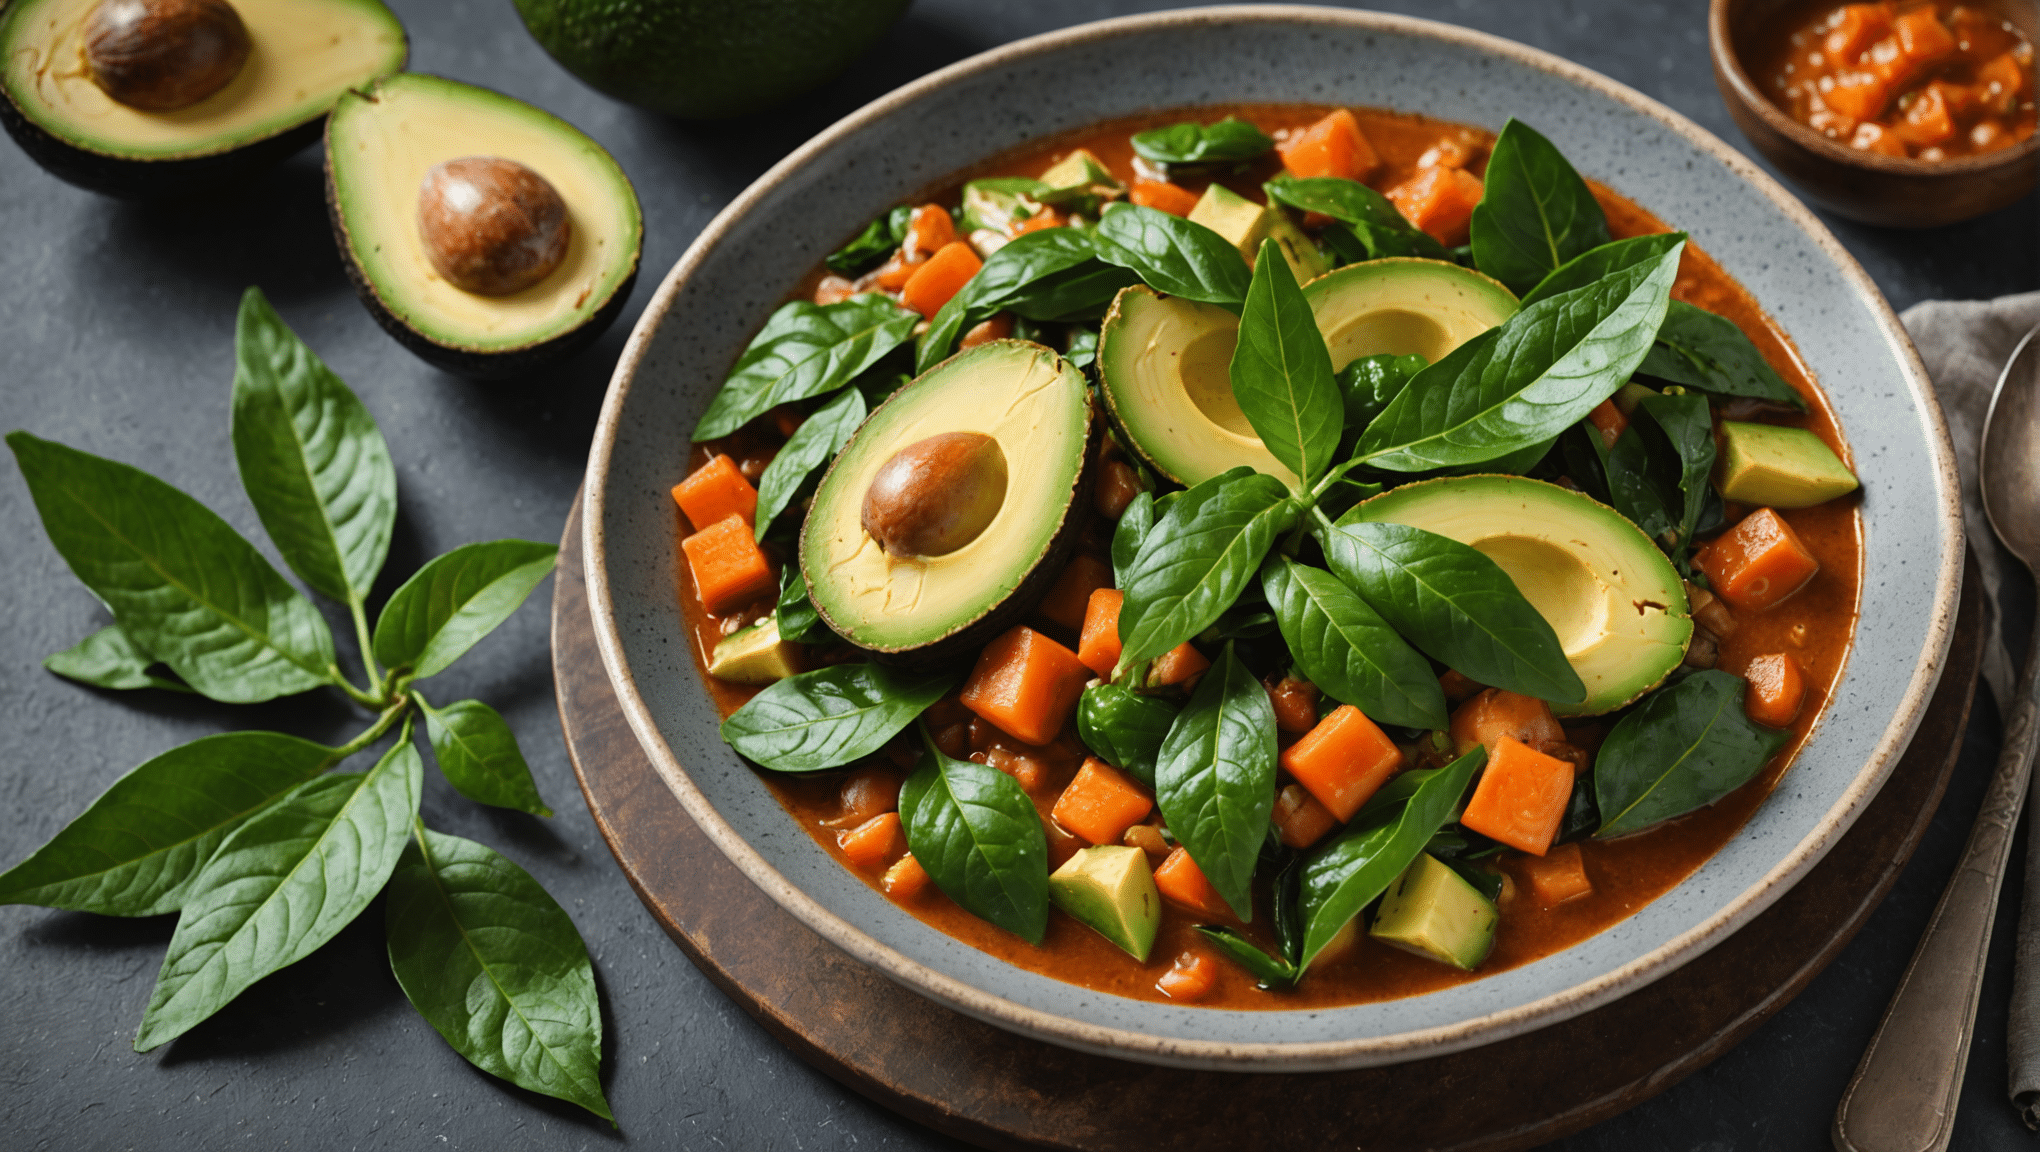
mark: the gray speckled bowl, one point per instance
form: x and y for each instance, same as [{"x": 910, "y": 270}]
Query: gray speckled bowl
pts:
[{"x": 754, "y": 253}]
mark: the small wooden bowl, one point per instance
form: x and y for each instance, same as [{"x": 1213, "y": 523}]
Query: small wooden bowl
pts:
[{"x": 1876, "y": 189}]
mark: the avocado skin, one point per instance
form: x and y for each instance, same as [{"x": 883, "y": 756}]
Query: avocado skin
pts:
[{"x": 128, "y": 179}]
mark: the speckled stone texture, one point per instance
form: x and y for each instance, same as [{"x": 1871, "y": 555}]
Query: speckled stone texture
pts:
[{"x": 117, "y": 322}]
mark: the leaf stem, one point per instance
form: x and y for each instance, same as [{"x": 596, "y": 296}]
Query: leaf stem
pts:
[
  {"x": 361, "y": 637},
  {"x": 340, "y": 681},
  {"x": 376, "y": 731}
]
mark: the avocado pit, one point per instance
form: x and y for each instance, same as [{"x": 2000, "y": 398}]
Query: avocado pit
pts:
[
  {"x": 936, "y": 495},
  {"x": 163, "y": 55},
  {"x": 491, "y": 226}
]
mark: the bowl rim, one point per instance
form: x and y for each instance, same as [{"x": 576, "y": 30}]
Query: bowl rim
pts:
[
  {"x": 1275, "y": 1055},
  {"x": 1728, "y": 62}
]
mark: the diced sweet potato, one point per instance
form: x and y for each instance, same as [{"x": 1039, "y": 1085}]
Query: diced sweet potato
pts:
[
  {"x": 906, "y": 879},
  {"x": 873, "y": 843},
  {"x": 1496, "y": 714},
  {"x": 1343, "y": 761},
  {"x": 1439, "y": 201},
  {"x": 715, "y": 490},
  {"x": 1757, "y": 563},
  {"x": 1162, "y": 197},
  {"x": 1299, "y": 819},
  {"x": 729, "y": 568},
  {"x": 1026, "y": 685},
  {"x": 1101, "y": 803},
  {"x": 1191, "y": 978},
  {"x": 1557, "y": 876},
  {"x": 939, "y": 277},
  {"x": 1181, "y": 880},
  {"x": 1098, "y": 644},
  {"x": 1777, "y": 688},
  {"x": 1334, "y": 146},
  {"x": 1521, "y": 798},
  {"x": 1179, "y": 665}
]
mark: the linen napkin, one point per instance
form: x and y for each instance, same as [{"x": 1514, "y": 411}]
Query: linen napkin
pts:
[{"x": 1965, "y": 346}]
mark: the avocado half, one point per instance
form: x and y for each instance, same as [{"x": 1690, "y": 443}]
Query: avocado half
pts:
[
  {"x": 924, "y": 611},
  {"x": 303, "y": 55},
  {"x": 1165, "y": 362},
  {"x": 1616, "y": 603},
  {"x": 380, "y": 142}
]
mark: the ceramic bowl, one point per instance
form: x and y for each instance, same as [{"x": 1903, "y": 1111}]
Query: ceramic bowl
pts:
[
  {"x": 1890, "y": 190},
  {"x": 755, "y": 252}
]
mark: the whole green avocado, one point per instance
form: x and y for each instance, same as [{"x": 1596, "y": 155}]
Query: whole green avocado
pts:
[{"x": 706, "y": 59}]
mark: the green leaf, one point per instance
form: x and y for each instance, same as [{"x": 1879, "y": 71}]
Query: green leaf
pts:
[
  {"x": 1535, "y": 213},
  {"x": 451, "y": 603},
  {"x": 284, "y": 883},
  {"x": 798, "y": 620},
  {"x": 1347, "y": 649},
  {"x": 812, "y": 445},
  {"x": 1077, "y": 295},
  {"x": 479, "y": 756},
  {"x": 864, "y": 250},
  {"x": 1370, "y": 383},
  {"x": 1683, "y": 430},
  {"x": 181, "y": 583},
  {"x": 1376, "y": 226},
  {"x": 1271, "y": 971},
  {"x": 806, "y": 350},
  {"x": 1526, "y": 381},
  {"x": 1006, "y": 274},
  {"x": 1127, "y": 535},
  {"x": 135, "y": 851},
  {"x": 830, "y": 717},
  {"x": 1198, "y": 559},
  {"x": 1282, "y": 371},
  {"x": 1597, "y": 263},
  {"x": 496, "y": 966},
  {"x": 108, "y": 659},
  {"x": 1173, "y": 255},
  {"x": 1343, "y": 875},
  {"x": 1001, "y": 202},
  {"x": 1683, "y": 748},
  {"x": 1215, "y": 778},
  {"x": 1456, "y": 605},
  {"x": 980, "y": 838},
  {"x": 1124, "y": 728},
  {"x": 1638, "y": 486},
  {"x": 1701, "y": 350},
  {"x": 311, "y": 458},
  {"x": 1230, "y": 139}
]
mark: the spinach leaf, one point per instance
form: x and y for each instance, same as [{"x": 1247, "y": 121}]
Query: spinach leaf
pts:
[
  {"x": 311, "y": 458},
  {"x": 1230, "y": 139},
  {"x": 281, "y": 885},
  {"x": 1082, "y": 350},
  {"x": 1344, "y": 874},
  {"x": 1639, "y": 490},
  {"x": 447, "y": 606},
  {"x": 1282, "y": 371},
  {"x": 135, "y": 851},
  {"x": 1683, "y": 748},
  {"x": 980, "y": 838},
  {"x": 1288, "y": 894},
  {"x": 1270, "y": 971},
  {"x": 494, "y": 964},
  {"x": 1701, "y": 350},
  {"x": 1173, "y": 255},
  {"x": 1198, "y": 558},
  {"x": 806, "y": 350},
  {"x": 1075, "y": 295},
  {"x": 1371, "y": 223},
  {"x": 1133, "y": 527},
  {"x": 1535, "y": 213},
  {"x": 812, "y": 445},
  {"x": 1006, "y": 274},
  {"x": 1527, "y": 380},
  {"x": 1347, "y": 649},
  {"x": 1215, "y": 778},
  {"x": 1456, "y": 605},
  {"x": 798, "y": 620},
  {"x": 866, "y": 249},
  {"x": 182, "y": 584},
  {"x": 1124, "y": 728},
  {"x": 108, "y": 659},
  {"x": 1657, "y": 470},
  {"x": 1368, "y": 384},
  {"x": 1586, "y": 460},
  {"x": 1688, "y": 427},
  {"x": 479, "y": 756},
  {"x": 1598, "y": 263},
  {"x": 830, "y": 717}
]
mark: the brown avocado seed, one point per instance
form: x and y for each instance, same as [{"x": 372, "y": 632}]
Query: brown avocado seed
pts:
[
  {"x": 162, "y": 55},
  {"x": 936, "y": 495},
  {"x": 491, "y": 226}
]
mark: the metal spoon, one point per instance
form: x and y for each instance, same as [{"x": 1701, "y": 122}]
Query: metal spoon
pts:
[{"x": 1905, "y": 1091}]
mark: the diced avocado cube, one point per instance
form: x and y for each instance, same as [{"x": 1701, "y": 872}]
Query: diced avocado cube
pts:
[
  {"x": 996, "y": 205},
  {"x": 1079, "y": 173},
  {"x": 1245, "y": 224},
  {"x": 1432, "y": 911},
  {"x": 1112, "y": 889},
  {"x": 754, "y": 655},
  {"x": 1779, "y": 467}
]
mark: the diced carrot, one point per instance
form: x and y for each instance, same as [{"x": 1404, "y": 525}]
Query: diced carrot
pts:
[
  {"x": 1026, "y": 685},
  {"x": 1922, "y": 37},
  {"x": 941, "y": 276},
  {"x": 1027, "y": 771},
  {"x": 1118, "y": 484},
  {"x": 1777, "y": 688},
  {"x": 1068, "y": 600},
  {"x": 1162, "y": 197},
  {"x": 1521, "y": 797},
  {"x": 1343, "y": 760},
  {"x": 1334, "y": 146},
  {"x": 1999, "y": 82},
  {"x": 997, "y": 328},
  {"x": 1757, "y": 563},
  {"x": 1046, "y": 218},
  {"x": 1299, "y": 819},
  {"x": 1855, "y": 96},
  {"x": 1852, "y": 28},
  {"x": 1458, "y": 685},
  {"x": 1557, "y": 876},
  {"x": 1295, "y": 702},
  {"x": 1928, "y": 119},
  {"x": 1147, "y": 838},
  {"x": 715, "y": 490},
  {"x": 1440, "y": 201},
  {"x": 905, "y": 879},
  {"x": 1190, "y": 978},
  {"x": 1098, "y": 645},
  {"x": 1496, "y": 714},
  {"x": 929, "y": 230},
  {"x": 1609, "y": 421},
  {"x": 728, "y": 566},
  {"x": 1871, "y": 137},
  {"x": 1101, "y": 803},
  {"x": 1180, "y": 879},
  {"x": 1179, "y": 665},
  {"x": 874, "y": 842},
  {"x": 866, "y": 793}
]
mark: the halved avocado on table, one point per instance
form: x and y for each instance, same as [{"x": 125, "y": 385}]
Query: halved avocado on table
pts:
[
  {"x": 1165, "y": 361},
  {"x": 1617, "y": 605},
  {"x": 953, "y": 507},
  {"x": 382, "y": 144},
  {"x": 301, "y": 55}
]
